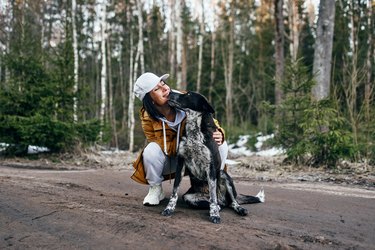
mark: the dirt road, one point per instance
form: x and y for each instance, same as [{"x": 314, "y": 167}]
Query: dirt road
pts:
[{"x": 102, "y": 209}]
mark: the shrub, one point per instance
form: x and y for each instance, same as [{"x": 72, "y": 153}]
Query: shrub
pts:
[
  {"x": 325, "y": 135},
  {"x": 311, "y": 132},
  {"x": 44, "y": 131},
  {"x": 36, "y": 108}
]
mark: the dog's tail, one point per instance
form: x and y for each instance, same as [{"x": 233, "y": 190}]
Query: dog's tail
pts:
[{"x": 249, "y": 199}]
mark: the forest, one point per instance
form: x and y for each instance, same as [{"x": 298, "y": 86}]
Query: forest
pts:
[{"x": 299, "y": 69}]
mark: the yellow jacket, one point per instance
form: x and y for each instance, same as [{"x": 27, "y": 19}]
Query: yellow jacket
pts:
[{"x": 153, "y": 131}]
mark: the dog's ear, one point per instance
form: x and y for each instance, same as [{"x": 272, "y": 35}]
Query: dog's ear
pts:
[{"x": 207, "y": 107}]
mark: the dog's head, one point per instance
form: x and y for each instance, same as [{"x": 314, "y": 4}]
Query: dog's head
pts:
[{"x": 190, "y": 100}]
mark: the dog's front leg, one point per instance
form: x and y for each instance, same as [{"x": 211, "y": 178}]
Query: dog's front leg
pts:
[
  {"x": 214, "y": 207},
  {"x": 168, "y": 211}
]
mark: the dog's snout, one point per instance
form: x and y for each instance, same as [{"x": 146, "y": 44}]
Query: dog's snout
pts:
[{"x": 173, "y": 96}]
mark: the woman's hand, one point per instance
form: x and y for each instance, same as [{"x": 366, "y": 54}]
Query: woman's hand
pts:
[{"x": 218, "y": 137}]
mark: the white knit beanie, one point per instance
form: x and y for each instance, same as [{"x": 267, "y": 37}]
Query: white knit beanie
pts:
[{"x": 146, "y": 82}]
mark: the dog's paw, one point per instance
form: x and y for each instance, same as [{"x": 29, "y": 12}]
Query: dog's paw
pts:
[
  {"x": 167, "y": 212},
  {"x": 215, "y": 219},
  {"x": 242, "y": 211}
]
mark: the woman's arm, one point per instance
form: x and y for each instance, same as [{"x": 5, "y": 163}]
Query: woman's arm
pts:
[{"x": 147, "y": 125}]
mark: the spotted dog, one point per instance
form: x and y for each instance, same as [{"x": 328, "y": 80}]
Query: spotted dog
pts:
[{"x": 199, "y": 155}]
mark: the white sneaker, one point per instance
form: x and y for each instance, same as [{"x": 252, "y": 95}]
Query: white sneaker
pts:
[{"x": 154, "y": 196}]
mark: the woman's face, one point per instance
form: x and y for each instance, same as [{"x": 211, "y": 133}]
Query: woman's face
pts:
[{"x": 160, "y": 93}]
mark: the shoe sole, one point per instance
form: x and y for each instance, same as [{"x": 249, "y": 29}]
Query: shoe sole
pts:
[{"x": 147, "y": 204}]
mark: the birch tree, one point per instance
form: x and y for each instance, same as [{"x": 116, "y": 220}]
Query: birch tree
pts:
[
  {"x": 179, "y": 46},
  {"x": 172, "y": 40},
  {"x": 212, "y": 71},
  {"x": 323, "y": 49},
  {"x": 139, "y": 57},
  {"x": 112, "y": 114},
  {"x": 140, "y": 35},
  {"x": 294, "y": 21},
  {"x": 103, "y": 74},
  {"x": 6, "y": 15},
  {"x": 369, "y": 86},
  {"x": 76, "y": 59},
  {"x": 228, "y": 70},
  {"x": 131, "y": 119},
  {"x": 279, "y": 49},
  {"x": 200, "y": 44}
]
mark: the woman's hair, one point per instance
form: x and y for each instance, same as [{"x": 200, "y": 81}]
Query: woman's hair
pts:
[{"x": 150, "y": 107}]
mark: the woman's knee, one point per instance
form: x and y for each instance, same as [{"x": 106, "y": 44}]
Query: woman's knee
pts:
[{"x": 151, "y": 151}]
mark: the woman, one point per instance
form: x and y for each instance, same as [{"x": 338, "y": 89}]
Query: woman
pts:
[{"x": 163, "y": 126}]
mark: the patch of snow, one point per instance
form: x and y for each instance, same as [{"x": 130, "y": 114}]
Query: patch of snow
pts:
[
  {"x": 3, "y": 146},
  {"x": 270, "y": 152},
  {"x": 30, "y": 149},
  {"x": 261, "y": 139},
  {"x": 242, "y": 140},
  {"x": 35, "y": 149},
  {"x": 240, "y": 149}
]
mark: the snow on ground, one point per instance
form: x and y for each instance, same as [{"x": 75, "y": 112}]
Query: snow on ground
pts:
[
  {"x": 35, "y": 149},
  {"x": 30, "y": 149},
  {"x": 239, "y": 148}
]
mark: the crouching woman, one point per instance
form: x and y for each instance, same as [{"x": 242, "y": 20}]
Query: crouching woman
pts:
[{"x": 163, "y": 127}]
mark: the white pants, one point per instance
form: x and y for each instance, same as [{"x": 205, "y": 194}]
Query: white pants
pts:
[{"x": 154, "y": 159}]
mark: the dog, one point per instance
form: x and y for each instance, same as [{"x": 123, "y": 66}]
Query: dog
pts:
[{"x": 198, "y": 153}]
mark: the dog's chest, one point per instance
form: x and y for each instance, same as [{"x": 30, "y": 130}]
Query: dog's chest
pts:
[{"x": 196, "y": 155}]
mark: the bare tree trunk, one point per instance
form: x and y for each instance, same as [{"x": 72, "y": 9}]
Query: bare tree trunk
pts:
[
  {"x": 294, "y": 27},
  {"x": 369, "y": 85},
  {"x": 122, "y": 88},
  {"x": 351, "y": 91},
  {"x": 279, "y": 50},
  {"x": 103, "y": 74},
  {"x": 21, "y": 6},
  {"x": 213, "y": 51},
  {"x": 183, "y": 66},
  {"x": 112, "y": 114},
  {"x": 229, "y": 78},
  {"x": 212, "y": 73},
  {"x": 125, "y": 108},
  {"x": 200, "y": 41},
  {"x": 323, "y": 49},
  {"x": 8, "y": 16},
  {"x": 179, "y": 47},
  {"x": 76, "y": 62},
  {"x": 97, "y": 79},
  {"x": 139, "y": 56},
  {"x": 2, "y": 68},
  {"x": 370, "y": 58},
  {"x": 172, "y": 40},
  {"x": 42, "y": 24},
  {"x": 140, "y": 35},
  {"x": 131, "y": 119}
]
